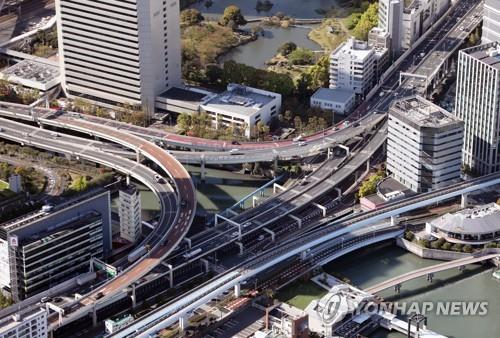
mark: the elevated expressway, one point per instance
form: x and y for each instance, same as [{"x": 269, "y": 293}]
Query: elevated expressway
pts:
[
  {"x": 171, "y": 229},
  {"x": 430, "y": 270},
  {"x": 179, "y": 308}
]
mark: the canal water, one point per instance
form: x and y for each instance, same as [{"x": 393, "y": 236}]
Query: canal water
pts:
[
  {"x": 376, "y": 264},
  {"x": 304, "y": 9},
  {"x": 256, "y": 53}
]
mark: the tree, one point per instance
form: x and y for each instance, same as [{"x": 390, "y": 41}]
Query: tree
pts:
[
  {"x": 232, "y": 13},
  {"x": 79, "y": 184},
  {"x": 409, "y": 236},
  {"x": 367, "y": 21},
  {"x": 320, "y": 73},
  {"x": 446, "y": 246},
  {"x": 424, "y": 243},
  {"x": 457, "y": 247},
  {"x": 287, "y": 48},
  {"x": 301, "y": 56},
  {"x": 467, "y": 248},
  {"x": 369, "y": 186},
  {"x": 191, "y": 17}
]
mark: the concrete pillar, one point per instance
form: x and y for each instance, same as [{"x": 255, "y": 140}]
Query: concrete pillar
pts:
[
  {"x": 183, "y": 322},
  {"x": 237, "y": 290},
  {"x": 188, "y": 241},
  {"x": 94, "y": 316},
  {"x": 133, "y": 297},
  {"x": 303, "y": 255},
  {"x": 394, "y": 220},
  {"x": 339, "y": 192},
  {"x": 463, "y": 202},
  {"x": 205, "y": 264},
  {"x": 170, "y": 275},
  {"x": 321, "y": 207},
  {"x": 255, "y": 199},
  {"x": 348, "y": 151},
  {"x": 299, "y": 221},
  {"x": 127, "y": 180},
  {"x": 241, "y": 246},
  {"x": 329, "y": 153},
  {"x": 275, "y": 165},
  {"x": 280, "y": 187},
  {"x": 430, "y": 277},
  {"x": 273, "y": 235},
  {"x": 397, "y": 288},
  {"x": 138, "y": 156},
  {"x": 203, "y": 170}
]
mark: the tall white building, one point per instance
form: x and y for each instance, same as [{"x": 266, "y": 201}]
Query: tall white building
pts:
[
  {"x": 477, "y": 104},
  {"x": 352, "y": 67},
  {"x": 116, "y": 52},
  {"x": 130, "y": 214},
  {"x": 390, "y": 20},
  {"x": 424, "y": 147},
  {"x": 491, "y": 21}
]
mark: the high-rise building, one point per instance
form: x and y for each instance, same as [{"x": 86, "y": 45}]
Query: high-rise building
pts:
[
  {"x": 477, "y": 104},
  {"x": 352, "y": 67},
  {"x": 491, "y": 21},
  {"x": 390, "y": 20},
  {"x": 42, "y": 249},
  {"x": 119, "y": 52},
  {"x": 424, "y": 147},
  {"x": 130, "y": 214}
]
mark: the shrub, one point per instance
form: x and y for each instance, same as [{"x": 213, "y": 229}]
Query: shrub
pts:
[
  {"x": 467, "y": 249},
  {"x": 409, "y": 236},
  {"x": 446, "y": 246}
]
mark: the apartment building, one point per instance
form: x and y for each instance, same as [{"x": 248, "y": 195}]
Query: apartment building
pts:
[
  {"x": 119, "y": 52},
  {"x": 352, "y": 67},
  {"x": 390, "y": 21},
  {"x": 424, "y": 146},
  {"x": 491, "y": 21},
  {"x": 130, "y": 214},
  {"x": 477, "y": 104},
  {"x": 26, "y": 323}
]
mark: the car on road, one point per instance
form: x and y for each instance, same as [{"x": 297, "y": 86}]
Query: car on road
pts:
[
  {"x": 232, "y": 151},
  {"x": 302, "y": 143},
  {"x": 183, "y": 204}
]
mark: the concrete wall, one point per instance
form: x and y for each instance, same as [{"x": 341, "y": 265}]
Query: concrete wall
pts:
[{"x": 429, "y": 253}]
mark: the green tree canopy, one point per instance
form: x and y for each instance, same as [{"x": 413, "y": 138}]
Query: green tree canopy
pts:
[
  {"x": 301, "y": 56},
  {"x": 367, "y": 21},
  {"x": 232, "y": 16},
  {"x": 191, "y": 17},
  {"x": 287, "y": 48}
]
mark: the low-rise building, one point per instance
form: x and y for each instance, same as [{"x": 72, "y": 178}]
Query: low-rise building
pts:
[
  {"x": 37, "y": 73},
  {"x": 50, "y": 246},
  {"x": 424, "y": 147},
  {"x": 29, "y": 323},
  {"x": 242, "y": 107},
  {"x": 113, "y": 325},
  {"x": 475, "y": 226},
  {"x": 341, "y": 101}
]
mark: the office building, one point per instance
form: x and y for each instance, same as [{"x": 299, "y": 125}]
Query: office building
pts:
[
  {"x": 119, "y": 52},
  {"x": 477, "y": 104},
  {"x": 130, "y": 214},
  {"x": 340, "y": 101},
  {"x": 113, "y": 325},
  {"x": 27, "y": 323},
  {"x": 47, "y": 247},
  {"x": 390, "y": 20},
  {"x": 424, "y": 146},
  {"x": 352, "y": 67},
  {"x": 491, "y": 21}
]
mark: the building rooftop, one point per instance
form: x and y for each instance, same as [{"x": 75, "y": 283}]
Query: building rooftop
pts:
[
  {"x": 182, "y": 94},
  {"x": 9, "y": 322},
  {"x": 488, "y": 53},
  {"x": 34, "y": 74},
  {"x": 334, "y": 95},
  {"x": 422, "y": 113},
  {"x": 239, "y": 100},
  {"x": 478, "y": 220},
  {"x": 359, "y": 50}
]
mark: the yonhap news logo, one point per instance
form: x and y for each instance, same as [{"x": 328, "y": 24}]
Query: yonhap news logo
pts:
[{"x": 337, "y": 306}]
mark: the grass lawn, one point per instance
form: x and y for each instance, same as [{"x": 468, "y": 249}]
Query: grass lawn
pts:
[
  {"x": 3, "y": 185},
  {"x": 300, "y": 294},
  {"x": 323, "y": 36}
]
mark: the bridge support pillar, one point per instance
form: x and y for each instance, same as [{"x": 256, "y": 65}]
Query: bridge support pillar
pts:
[
  {"x": 397, "y": 288},
  {"x": 430, "y": 277},
  {"x": 277, "y": 186},
  {"x": 394, "y": 220},
  {"x": 273, "y": 235},
  {"x": 127, "y": 180},
  {"x": 303, "y": 255},
  {"x": 299, "y": 220},
  {"x": 237, "y": 290},
  {"x": 133, "y": 297},
  {"x": 94, "y": 316},
  {"x": 138, "y": 157},
  {"x": 461, "y": 268},
  {"x": 463, "y": 202},
  {"x": 275, "y": 164},
  {"x": 322, "y": 208},
  {"x": 348, "y": 151},
  {"x": 183, "y": 323},
  {"x": 205, "y": 264},
  {"x": 203, "y": 169},
  {"x": 188, "y": 241},
  {"x": 255, "y": 200},
  {"x": 339, "y": 192},
  {"x": 170, "y": 275},
  {"x": 240, "y": 246},
  {"x": 329, "y": 153}
]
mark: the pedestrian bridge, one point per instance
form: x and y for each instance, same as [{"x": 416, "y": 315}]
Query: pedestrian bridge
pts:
[{"x": 429, "y": 271}]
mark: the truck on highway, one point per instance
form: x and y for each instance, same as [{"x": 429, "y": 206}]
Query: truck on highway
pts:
[
  {"x": 191, "y": 254},
  {"x": 138, "y": 253},
  {"x": 85, "y": 278}
]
